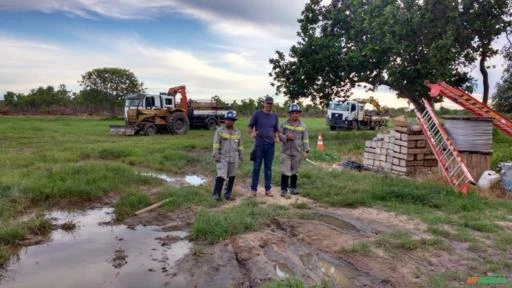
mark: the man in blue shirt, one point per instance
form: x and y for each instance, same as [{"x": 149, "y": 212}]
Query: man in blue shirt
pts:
[{"x": 263, "y": 127}]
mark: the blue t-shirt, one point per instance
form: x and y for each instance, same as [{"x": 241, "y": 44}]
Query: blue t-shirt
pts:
[{"x": 266, "y": 125}]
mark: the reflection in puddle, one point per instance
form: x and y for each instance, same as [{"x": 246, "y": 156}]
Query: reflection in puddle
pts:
[
  {"x": 336, "y": 222},
  {"x": 339, "y": 274},
  {"x": 193, "y": 180},
  {"x": 282, "y": 270},
  {"x": 333, "y": 272},
  {"x": 85, "y": 257}
]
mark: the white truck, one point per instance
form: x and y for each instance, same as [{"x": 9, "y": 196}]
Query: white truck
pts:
[{"x": 351, "y": 114}]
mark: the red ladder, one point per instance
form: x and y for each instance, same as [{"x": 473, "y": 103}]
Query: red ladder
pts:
[
  {"x": 469, "y": 103},
  {"x": 445, "y": 151}
]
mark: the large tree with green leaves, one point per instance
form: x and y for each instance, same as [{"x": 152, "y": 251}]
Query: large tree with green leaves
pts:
[
  {"x": 502, "y": 97},
  {"x": 483, "y": 21},
  {"x": 112, "y": 83},
  {"x": 378, "y": 42}
]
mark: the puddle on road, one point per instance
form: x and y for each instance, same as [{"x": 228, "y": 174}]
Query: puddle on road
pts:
[
  {"x": 336, "y": 222},
  {"x": 337, "y": 273},
  {"x": 86, "y": 257},
  {"x": 282, "y": 270},
  {"x": 194, "y": 180}
]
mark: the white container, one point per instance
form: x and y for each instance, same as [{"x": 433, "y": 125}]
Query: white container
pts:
[{"x": 488, "y": 179}]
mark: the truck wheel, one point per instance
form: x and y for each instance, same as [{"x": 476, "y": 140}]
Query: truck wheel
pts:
[
  {"x": 178, "y": 123},
  {"x": 211, "y": 124},
  {"x": 150, "y": 130}
]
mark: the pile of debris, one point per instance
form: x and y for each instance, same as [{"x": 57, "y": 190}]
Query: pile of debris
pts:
[{"x": 402, "y": 151}]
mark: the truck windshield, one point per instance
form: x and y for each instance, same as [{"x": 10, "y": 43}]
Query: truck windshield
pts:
[
  {"x": 338, "y": 106},
  {"x": 132, "y": 102}
]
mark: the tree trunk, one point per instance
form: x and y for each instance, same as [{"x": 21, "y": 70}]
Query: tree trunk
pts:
[{"x": 485, "y": 76}]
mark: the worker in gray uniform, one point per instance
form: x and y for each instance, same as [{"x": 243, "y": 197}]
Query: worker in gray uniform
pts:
[
  {"x": 227, "y": 153},
  {"x": 295, "y": 139}
]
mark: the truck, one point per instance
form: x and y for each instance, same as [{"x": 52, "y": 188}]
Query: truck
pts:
[
  {"x": 150, "y": 114},
  {"x": 351, "y": 114}
]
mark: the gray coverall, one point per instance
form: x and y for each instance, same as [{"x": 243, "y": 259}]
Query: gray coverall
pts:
[
  {"x": 227, "y": 143},
  {"x": 291, "y": 153}
]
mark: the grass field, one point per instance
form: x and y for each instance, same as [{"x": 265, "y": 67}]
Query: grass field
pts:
[{"x": 50, "y": 161}]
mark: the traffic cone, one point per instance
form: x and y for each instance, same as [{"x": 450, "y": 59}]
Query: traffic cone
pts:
[{"x": 320, "y": 142}]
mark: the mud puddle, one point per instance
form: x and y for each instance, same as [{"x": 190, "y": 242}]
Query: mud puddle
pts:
[
  {"x": 194, "y": 180},
  {"x": 98, "y": 255},
  {"x": 344, "y": 224}
]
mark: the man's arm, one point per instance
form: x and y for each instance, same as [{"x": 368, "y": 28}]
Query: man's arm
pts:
[
  {"x": 216, "y": 146},
  {"x": 276, "y": 130},
  {"x": 251, "y": 127}
]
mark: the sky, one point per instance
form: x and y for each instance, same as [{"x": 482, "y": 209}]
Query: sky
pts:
[{"x": 216, "y": 47}]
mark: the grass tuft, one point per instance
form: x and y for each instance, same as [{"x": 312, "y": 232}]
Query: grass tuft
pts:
[
  {"x": 247, "y": 216},
  {"x": 129, "y": 203}
]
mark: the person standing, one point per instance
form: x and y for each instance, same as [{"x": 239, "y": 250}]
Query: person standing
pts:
[
  {"x": 227, "y": 153},
  {"x": 295, "y": 137},
  {"x": 264, "y": 128}
]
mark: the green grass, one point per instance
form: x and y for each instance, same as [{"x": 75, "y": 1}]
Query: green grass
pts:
[
  {"x": 9, "y": 234},
  {"x": 360, "y": 248},
  {"x": 504, "y": 241},
  {"x": 129, "y": 203},
  {"x": 187, "y": 196},
  {"x": 294, "y": 282},
  {"x": 286, "y": 283},
  {"x": 248, "y": 216},
  {"x": 47, "y": 161},
  {"x": 5, "y": 254},
  {"x": 404, "y": 241}
]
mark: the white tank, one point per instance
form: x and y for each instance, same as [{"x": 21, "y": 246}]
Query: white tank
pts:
[{"x": 488, "y": 179}]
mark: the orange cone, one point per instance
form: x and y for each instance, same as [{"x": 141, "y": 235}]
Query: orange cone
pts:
[{"x": 320, "y": 142}]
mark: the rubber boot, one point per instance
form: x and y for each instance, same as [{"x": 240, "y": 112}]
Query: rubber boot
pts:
[
  {"x": 219, "y": 182},
  {"x": 284, "y": 185},
  {"x": 293, "y": 185},
  {"x": 229, "y": 188}
]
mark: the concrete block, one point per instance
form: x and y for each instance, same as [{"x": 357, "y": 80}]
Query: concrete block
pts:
[
  {"x": 399, "y": 168},
  {"x": 370, "y": 156}
]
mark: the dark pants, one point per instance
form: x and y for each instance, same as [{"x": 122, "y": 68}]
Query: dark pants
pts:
[{"x": 264, "y": 153}]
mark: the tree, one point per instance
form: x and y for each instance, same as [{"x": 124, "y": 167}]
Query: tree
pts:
[
  {"x": 483, "y": 21},
  {"x": 502, "y": 97},
  {"x": 113, "y": 83},
  {"x": 383, "y": 42}
]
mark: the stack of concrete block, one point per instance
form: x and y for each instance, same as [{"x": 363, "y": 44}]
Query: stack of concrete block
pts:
[{"x": 402, "y": 151}]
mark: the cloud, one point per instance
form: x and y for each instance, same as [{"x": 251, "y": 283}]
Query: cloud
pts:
[{"x": 32, "y": 64}]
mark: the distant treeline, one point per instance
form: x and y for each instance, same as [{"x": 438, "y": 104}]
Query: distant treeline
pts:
[{"x": 61, "y": 101}]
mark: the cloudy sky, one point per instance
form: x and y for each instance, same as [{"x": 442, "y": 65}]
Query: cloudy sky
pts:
[{"x": 216, "y": 47}]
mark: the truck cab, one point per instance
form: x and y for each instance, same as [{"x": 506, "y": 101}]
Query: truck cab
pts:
[
  {"x": 146, "y": 101},
  {"x": 343, "y": 114}
]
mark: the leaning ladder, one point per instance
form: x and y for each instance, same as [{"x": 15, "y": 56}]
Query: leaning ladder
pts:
[
  {"x": 469, "y": 103},
  {"x": 446, "y": 153}
]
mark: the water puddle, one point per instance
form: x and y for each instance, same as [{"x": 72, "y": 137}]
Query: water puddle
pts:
[
  {"x": 337, "y": 273},
  {"x": 193, "y": 180},
  {"x": 97, "y": 255},
  {"x": 336, "y": 222},
  {"x": 282, "y": 270}
]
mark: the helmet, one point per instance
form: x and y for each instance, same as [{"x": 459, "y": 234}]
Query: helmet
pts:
[
  {"x": 294, "y": 108},
  {"x": 230, "y": 115}
]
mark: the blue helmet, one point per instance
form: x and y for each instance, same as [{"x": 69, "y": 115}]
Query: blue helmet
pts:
[
  {"x": 230, "y": 115},
  {"x": 294, "y": 107}
]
